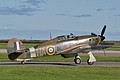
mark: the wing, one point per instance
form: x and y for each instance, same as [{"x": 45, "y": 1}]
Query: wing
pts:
[
  {"x": 82, "y": 48},
  {"x": 89, "y": 48},
  {"x": 99, "y": 47}
]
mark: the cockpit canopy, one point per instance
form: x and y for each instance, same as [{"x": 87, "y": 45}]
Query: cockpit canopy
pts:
[{"x": 66, "y": 37}]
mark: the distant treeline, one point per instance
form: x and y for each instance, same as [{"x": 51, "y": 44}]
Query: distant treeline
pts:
[
  {"x": 26, "y": 41},
  {"x": 110, "y": 43},
  {"x": 41, "y": 41},
  {"x": 107, "y": 43}
]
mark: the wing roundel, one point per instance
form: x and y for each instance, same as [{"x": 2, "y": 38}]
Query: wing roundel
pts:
[{"x": 50, "y": 50}]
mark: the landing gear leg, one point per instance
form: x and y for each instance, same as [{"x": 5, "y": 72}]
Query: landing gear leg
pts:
[
  {"x": 92, "y": 59},
  {"x": 77, "y": 59}
]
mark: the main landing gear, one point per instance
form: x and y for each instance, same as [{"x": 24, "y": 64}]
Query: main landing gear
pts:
[
  {"x": 77, "y": 59},
  {"x": 90, "y": 60}
]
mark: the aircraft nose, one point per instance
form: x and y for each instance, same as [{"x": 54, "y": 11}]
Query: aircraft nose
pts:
[{"x": 102, "y": 38}]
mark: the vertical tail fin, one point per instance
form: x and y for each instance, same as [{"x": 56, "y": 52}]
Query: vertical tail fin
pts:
[{"x": 14, "y": 48}]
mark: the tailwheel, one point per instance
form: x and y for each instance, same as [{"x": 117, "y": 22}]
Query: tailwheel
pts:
[
  {"x": 22, "y": 62},
  {"x": 77, "y": 60},
  {"x": 90, "y": 63}
]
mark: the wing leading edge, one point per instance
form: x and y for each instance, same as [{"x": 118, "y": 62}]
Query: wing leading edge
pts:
[{"x": 99, "y": 47}]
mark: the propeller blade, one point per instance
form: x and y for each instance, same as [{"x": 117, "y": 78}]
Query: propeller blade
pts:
[
  {"x": 93, "y": 34},
  {"x": 103, "y": 30}
]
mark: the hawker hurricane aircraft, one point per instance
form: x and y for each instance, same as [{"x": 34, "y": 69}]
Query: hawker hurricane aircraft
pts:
[{"x": 66, "y": 46}]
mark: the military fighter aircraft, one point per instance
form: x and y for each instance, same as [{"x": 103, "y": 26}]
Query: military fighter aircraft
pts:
[{"x": 66, "y": 46}]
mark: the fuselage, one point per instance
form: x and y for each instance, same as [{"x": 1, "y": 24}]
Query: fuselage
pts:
[{"x": 57, "y": 45}]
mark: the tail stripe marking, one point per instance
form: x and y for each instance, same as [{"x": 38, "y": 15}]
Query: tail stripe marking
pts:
[{"x": 17, "y": 45}]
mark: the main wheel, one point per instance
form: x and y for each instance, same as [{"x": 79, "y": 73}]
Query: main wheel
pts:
[
  {"x": 90, "y": 63},
  {"x": 77, "y": 60}
]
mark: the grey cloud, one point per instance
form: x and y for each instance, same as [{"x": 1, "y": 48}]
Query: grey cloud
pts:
[
  {"x": 20, "y": 10},
  {"x": 62, "y": 14},
  {"x": 83, "y": 15},
  {"x": 35, "y": 2},
  {"x": 118, "y": 15},
  {"x": 107, "y": 9},
  {"x": 99, "y": 9},
  {"x": 112, "y": 9}
]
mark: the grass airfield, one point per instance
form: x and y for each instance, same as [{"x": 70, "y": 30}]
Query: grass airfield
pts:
[{"x": 60, "y": 73}]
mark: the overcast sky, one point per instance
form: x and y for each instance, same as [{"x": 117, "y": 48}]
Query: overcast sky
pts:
[{"x": 67, "y": 15}]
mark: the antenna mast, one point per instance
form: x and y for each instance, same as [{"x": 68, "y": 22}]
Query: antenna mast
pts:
[{"x": 50, "y": 36}]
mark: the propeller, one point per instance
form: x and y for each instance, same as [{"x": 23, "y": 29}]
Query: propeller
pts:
[
  {"x": 103, "y": 37},
  {"x": 102, "y": 33}
]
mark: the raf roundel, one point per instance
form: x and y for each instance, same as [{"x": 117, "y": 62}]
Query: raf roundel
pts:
[{"x": 50, "y": 50}]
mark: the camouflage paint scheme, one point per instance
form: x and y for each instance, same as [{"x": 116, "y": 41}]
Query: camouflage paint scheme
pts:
[{"x": 66, "y": 46}]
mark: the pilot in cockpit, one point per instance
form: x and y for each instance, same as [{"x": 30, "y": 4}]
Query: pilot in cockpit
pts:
[{"x": 71, "y": 36}]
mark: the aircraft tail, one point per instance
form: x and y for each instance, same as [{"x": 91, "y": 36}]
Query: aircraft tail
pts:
[{"x": 14, "y": 48}]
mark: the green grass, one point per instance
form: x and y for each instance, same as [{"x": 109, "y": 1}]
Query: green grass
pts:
[
  {"x": 4, "y": 57},
  {"x": 114, "y": 48},
  {"x": 3, "y": 45},
  {"x": 29, "y": 45},
  {"x": 58, "y": 58},
  {"x": 59, "y": 73}
]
